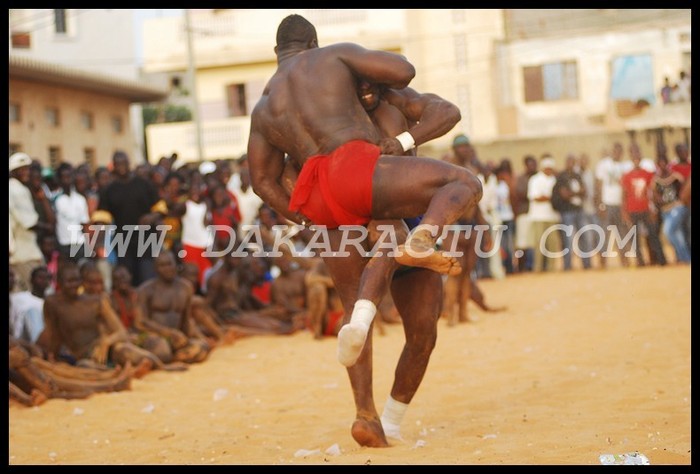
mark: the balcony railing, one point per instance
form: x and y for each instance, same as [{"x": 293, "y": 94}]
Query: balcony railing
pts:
[{"x": 221, "y": 139}]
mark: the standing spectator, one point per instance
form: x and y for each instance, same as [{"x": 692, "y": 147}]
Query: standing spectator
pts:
[
  {"x": 222, "y": 214},
  {"x": 172, "y": 201},
  {"x": 129, "y": 199},
  {"x": 681, "y": 164},
  {"x": 591, "y": 201},
  {"x": 523, "y": 229},
  {"x": 100, "y": 248},
  {"x": 49, "y": 249},
  {"x": 102, "y": 179},
  {"x": 567, "y": 199},
  {"x": 489, "y": 266},
  {"x": 542, "y": 215},
  {"x": 666, "y": 91},
  {"x": 465, "y": 154},
  {"x": 636, "y": 190},
  {"x": 195, "y": 232},
  {"x": 71, "y": 216},
  {"x": 504, "y": 209},
  {"x": 609, "y": 187},
  {"x": 667, "y": 186},
  {"x": 42, "y": 203},
  {"x": 685, "y": 199},
  {"x": 249, "y": 203},
  {"x": 25, "y": 254},
  {"x": 681, "y": 92},
  {"x": 222, "y": 176}
]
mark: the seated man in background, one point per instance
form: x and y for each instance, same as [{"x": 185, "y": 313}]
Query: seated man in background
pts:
[
  {"x": 165, "y": 306},
  {"x": 88, "y": 327}
]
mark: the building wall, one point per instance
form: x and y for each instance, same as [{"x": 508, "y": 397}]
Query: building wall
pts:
[
  {"x": 34, "y": 136},
  {"x": 98, "y": 40},
  {"x": 471, "y": 57},
  {"x": 593, "y": 55},
  {"x": 537, "y": 23},
  {"x": 242, "y": 36},
  {"x": 453, "y": 52}
]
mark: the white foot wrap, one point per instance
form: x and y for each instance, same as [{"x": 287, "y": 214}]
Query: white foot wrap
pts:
[
  {"x": 352, "y": 336},
  {"x": 391, "y": 418}
]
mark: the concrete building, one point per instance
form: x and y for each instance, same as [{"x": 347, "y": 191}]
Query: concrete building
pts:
[
  {"x": 526, "y": 81},
  {"x": 97, "y": 41},
  {"x": 62, "y": 114},
  {"x": 577, "y": 80}
]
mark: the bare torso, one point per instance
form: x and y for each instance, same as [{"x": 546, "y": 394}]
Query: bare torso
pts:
[
  {"x": 77, "y": 322},
  {"x": 224, "y": 288},
  {"x": 167, "y": 303},
  {"x": 303, "y": 114}
]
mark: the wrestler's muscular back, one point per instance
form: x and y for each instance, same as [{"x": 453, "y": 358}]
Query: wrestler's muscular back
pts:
[{"x": 310, "y": 105}]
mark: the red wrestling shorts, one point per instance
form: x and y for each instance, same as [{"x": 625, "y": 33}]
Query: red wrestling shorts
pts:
[{"x": 336, "y": 189}]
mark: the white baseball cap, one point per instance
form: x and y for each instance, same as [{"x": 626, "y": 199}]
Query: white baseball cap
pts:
[
  {"x": 207, "y": 167},
  {"x": 19, "y": 159},
  {"x": 547, "y": 163}
]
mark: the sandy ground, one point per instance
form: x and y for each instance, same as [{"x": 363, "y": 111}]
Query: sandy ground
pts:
[{"x": 581, "y": 364}]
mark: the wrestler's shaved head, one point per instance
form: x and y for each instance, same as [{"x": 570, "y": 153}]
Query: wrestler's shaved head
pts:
[{"x": 295, "y": 28}]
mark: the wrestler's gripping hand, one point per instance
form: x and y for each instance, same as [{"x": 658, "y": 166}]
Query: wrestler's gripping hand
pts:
[{"x": 391, "y": 146}]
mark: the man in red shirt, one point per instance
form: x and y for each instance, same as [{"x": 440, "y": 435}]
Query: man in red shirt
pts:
[
  {"x": 636, "y": 209},
  {"x": 682, "y": 165}
]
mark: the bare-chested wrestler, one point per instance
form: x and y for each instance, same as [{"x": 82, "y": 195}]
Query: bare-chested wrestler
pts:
[
  {"x": 288, "y": 289},
  {"x": 397, "y": 187},
  {"x": 204, "y": 315},
  {"x": 322, "y": 301},
  {"x": 88, "y": 327},
  {"x": 460, "y": 289},
  {"x": 345, "y": 179},
  {"x": 165, "y": 307},
  {"x": 125, "y": 302},
  {"x": 229, "y": 293}
]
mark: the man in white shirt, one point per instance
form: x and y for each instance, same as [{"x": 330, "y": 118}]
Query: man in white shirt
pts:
[
  {"x": 25, "y": 254},
  {"x": 490, "y": 266},
  {"x": 542, "y": 215},
  {"x": 249, "y": 203},
  {"x": 27, "y": 307},
  {"x": 71, "y": 215},
  {"x": 609, "y": 172},
  {"x": 681, "y": 93}
]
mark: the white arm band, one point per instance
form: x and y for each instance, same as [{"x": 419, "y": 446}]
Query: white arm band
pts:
[{"x": 406, "y": 140}]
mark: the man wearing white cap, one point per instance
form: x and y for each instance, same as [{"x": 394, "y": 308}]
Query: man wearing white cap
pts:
[
  {"x": 541, "y": 213},
  {"x": 25, "y": 254}
]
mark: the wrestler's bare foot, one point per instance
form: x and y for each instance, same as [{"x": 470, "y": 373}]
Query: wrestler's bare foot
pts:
[
  {"x": 369, "y": 433},
  {"x": 143, "y": 367},
  {"x": 186, "y": 354},
  {"x": 38, "y": 397},
  {"x": 351, "y": 340},
  {"x": 229, "y": 336},
  {"x": 421, "y": 253},
  {"x": 175, "y": 367},
  {"x": 124, "y": 378}
]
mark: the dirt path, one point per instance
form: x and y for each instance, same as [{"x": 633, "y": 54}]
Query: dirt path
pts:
[{"x": 581, "y": 364}]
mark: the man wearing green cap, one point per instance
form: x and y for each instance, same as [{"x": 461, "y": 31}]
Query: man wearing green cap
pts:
[{"x": 465, "y": 155}]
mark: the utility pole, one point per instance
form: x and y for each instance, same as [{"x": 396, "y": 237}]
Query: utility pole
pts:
[{"x": 193, "y": 82}]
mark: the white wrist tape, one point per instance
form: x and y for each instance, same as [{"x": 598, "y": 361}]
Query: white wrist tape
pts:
[{"x": 406, "y": 140}]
